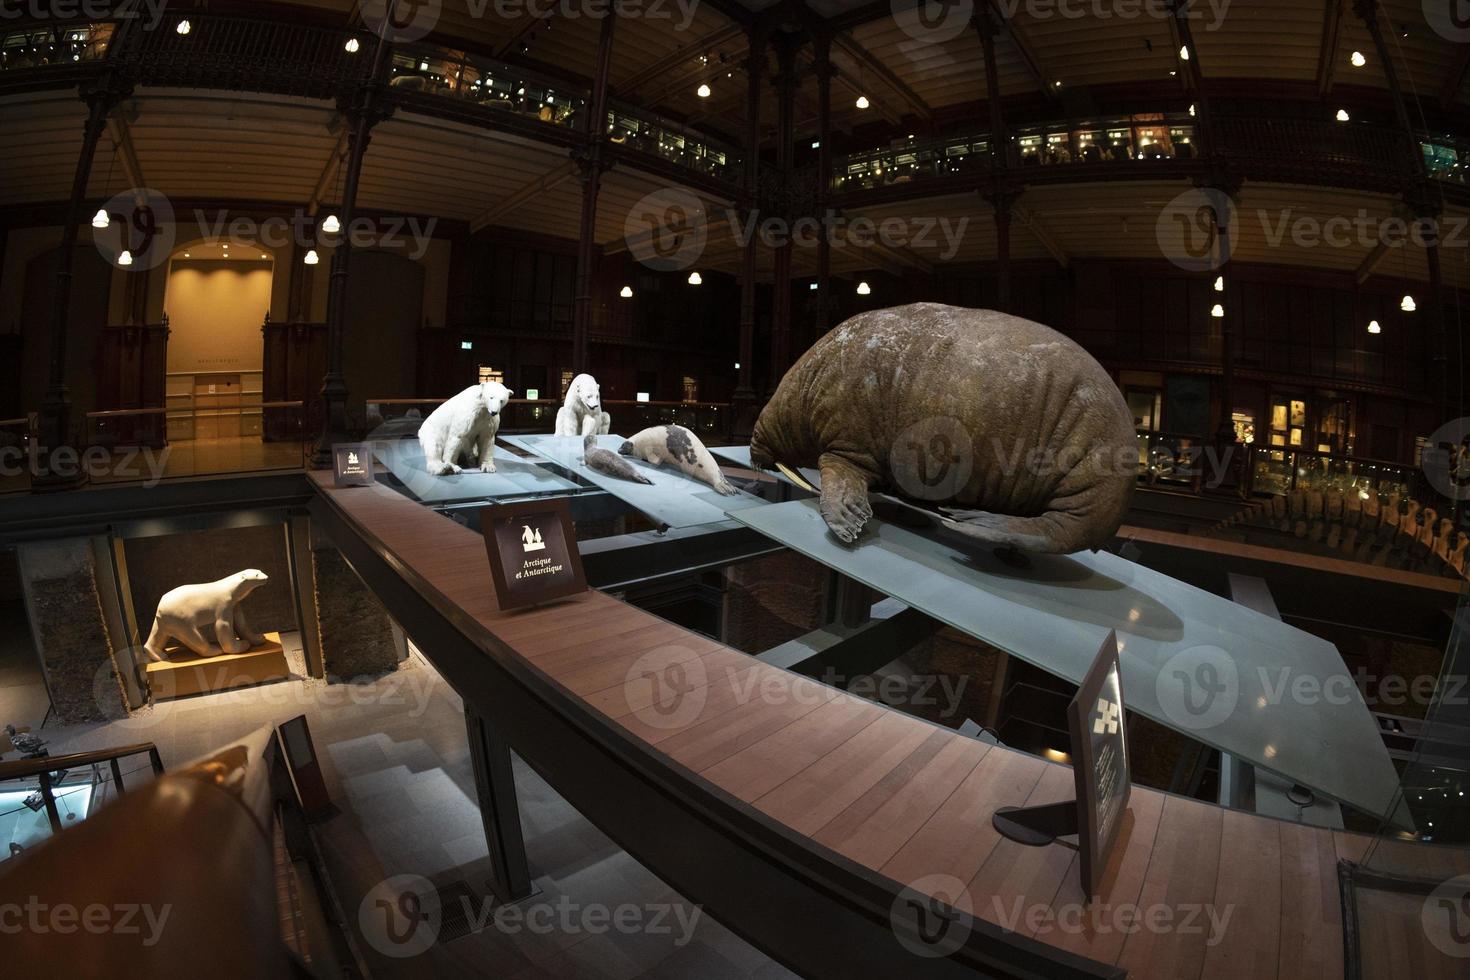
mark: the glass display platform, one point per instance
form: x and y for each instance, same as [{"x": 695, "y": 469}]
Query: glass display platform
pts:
[
  {"x": 740, "y": 456},
  {"x": 671, "y": 500},
  {"x": 513, "y": 477},
  {"x": 1239, "y": 670}
]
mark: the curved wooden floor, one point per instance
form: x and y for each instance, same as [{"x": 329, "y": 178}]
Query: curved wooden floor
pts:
[{"x": 902, "y": 797}]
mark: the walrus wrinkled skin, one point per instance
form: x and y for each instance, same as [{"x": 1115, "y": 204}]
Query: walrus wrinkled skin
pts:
[{"x": 1012, "y": 429}]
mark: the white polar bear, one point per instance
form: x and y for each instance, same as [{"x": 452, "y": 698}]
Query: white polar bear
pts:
[
  {"x": 464, "y": 425},
  {"x": 182, "y": 612},
  {"x": 582, "y": 413}
]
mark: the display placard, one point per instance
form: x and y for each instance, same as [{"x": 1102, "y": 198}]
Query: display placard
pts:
[
  {"x": 533, "y": 552},
  {"x": 1099, "y": 761},
  {"x": 352, "y": 465}
]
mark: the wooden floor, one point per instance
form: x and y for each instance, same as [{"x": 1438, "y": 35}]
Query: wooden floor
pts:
[{"x": 911, "y": 800}]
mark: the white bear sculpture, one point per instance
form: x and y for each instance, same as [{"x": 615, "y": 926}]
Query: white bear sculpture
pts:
[
  {"x": 582, "y": 413},
  {"x": 462, "y": 427},
  {"x": 183, "y": 612}
]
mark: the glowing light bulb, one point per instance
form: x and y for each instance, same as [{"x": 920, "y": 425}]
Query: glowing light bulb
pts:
[
  {"x": 311, "y": 257},
  {"x": 626, "y": 292},
  {"x": 1219, "y": 284},
  {"x": 1373, "y": 327},
  {"x": 1217, "y": 311},
  {"x": 352, "y": 45},
  {"x": 695, "y": 279},
  {"x": 862, "y": 102},
  {"x": 1407, "y": 304},
  {"x": 126, "y": 258},
  {"x": 703, "y": 91},
  {"x": 331, "y": 225},
  {"x": 1358, "y": 60},
  {"x": 1183, "y": 52},
  {"x": 183, "y": 27},
  {"x": 101, "y": 219},
  {"x": 863, "y": 289},
  {"x": 1342, "y": 115}
]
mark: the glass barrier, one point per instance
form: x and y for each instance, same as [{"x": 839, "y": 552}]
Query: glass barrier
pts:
[
  {"x": 37, "y": 47},
  {"x": 146, "y": 445},
  {"x": 1278, "y": 471},
  {"x": 639, "y": 131},
  {"x": 483, "y": 81}
]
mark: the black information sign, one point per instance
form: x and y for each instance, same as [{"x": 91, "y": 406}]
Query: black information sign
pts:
[
  {"x": 1099, "y": 761},
  {"x": 352, "y": 465},
  {"x": 533, "y": 552},
  {"x": 1099, "y": 769}
]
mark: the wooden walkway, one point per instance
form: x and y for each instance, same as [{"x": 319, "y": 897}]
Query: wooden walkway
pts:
[{"x": 905, "y": 798}]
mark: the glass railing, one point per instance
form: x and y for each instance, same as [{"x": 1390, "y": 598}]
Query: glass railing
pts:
[
  {"x": 1120, "y": 139},
  {"x": 142, "y": 445},
  {"x": 483, "y": 81},
  {"x": 646, "y": 133},
  {"x": 1278, "y": 470},
  {"x": 41, "y": 795},
  {"x": 400, "y": 418},
  {"x": 39, "y": 47}
]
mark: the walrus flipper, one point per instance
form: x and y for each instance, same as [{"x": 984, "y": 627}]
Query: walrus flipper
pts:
[
  {"x": 1038, "y": 535},
  {"x": 844, "y": 503}
]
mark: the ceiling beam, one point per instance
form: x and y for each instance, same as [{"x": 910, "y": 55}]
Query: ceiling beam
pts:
[
  {"x": 1327, "y": 50},
  {"x": 329, "y": 170},
  {"x": 524, "y": 195},
  {"x": 1455, "y": 77},
  {"x": 1033, "y": 224},
  {"x": 520, "y": 34},
  {"x": 657, "y": 69},
  {"x": 1029, "y": 60},
  {"x": 846, "y": 44},
  {"x": 1371, "y": 262},
  {"x": 126, "y": 155}
]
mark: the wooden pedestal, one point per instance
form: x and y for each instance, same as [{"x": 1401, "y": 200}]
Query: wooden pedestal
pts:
[{"x": 183, "y": 673}]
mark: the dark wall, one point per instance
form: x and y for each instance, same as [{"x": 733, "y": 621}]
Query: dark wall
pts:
[
  {"x": 158, "y": 564},
  {"x": 91, "y": 281},
  {"x": 385, "y": 301}
]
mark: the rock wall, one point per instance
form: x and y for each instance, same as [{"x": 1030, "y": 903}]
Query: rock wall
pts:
[
  {"x": 60, "y": 580},
  {"x": 773, "y": 599},
  {"x": 356, "y": 632}
]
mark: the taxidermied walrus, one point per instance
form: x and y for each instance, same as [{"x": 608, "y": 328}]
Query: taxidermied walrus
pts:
[
  {"x": 1019, "y": 436},
  {"x": 677, "y": 445}
]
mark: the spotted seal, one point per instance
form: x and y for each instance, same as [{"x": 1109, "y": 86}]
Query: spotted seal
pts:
[
  {"x": 677, "y": 445},
  {"x": 1014, "y": 431},
  {"x": 609, "y": 462}
]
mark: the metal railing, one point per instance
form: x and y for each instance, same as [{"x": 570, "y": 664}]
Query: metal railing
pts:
[{"x": 50, "y": 769}]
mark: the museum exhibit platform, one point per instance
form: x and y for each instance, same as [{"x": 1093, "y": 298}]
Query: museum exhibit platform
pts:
[
  {"x": 514, "y": 477},
  {"x": 1053, "y": 611},
  {"x": 841, "y": 805},
  {"x": 185, "y": 673},
  {"x": 671, "y": 499}
]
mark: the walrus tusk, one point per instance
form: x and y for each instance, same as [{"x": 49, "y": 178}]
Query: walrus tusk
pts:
[{"x": 796, "y": 478}]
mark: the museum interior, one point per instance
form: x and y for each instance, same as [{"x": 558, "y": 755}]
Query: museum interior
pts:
[{"x": 735, "y": 488}]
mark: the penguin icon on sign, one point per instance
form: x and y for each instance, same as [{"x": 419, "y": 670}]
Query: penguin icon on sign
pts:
[{"x": 531, "y": 540}]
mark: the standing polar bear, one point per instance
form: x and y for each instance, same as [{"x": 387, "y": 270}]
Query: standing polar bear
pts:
[
  {"x": 582, "y": 413},
  {"x": 184, "y": 611},
  {"x": 465, "y": 425}
]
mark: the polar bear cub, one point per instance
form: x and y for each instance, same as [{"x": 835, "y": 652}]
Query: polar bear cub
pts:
[
  {"x": 582, "y": 413},
  {"x": 464, "y": 426},
  {"x": 184, "y": 611}
]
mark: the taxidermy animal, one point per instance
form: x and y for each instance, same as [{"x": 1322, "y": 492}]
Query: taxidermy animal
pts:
[
  {"x": 1011, "y": 429},
  {"x": 582, "y": 412},
  {"x": 677, "y": 445},
  {"x": 462, "y": 427},
  {"x": 184, "y": 611},
  {"x": 609, "y": 462}
]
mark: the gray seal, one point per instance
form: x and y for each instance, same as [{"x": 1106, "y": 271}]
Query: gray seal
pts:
[
  {"x": 1012, "y": 430},
  {"x": 677, "y": 445},
  {"x": 609, "y": 462}
]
